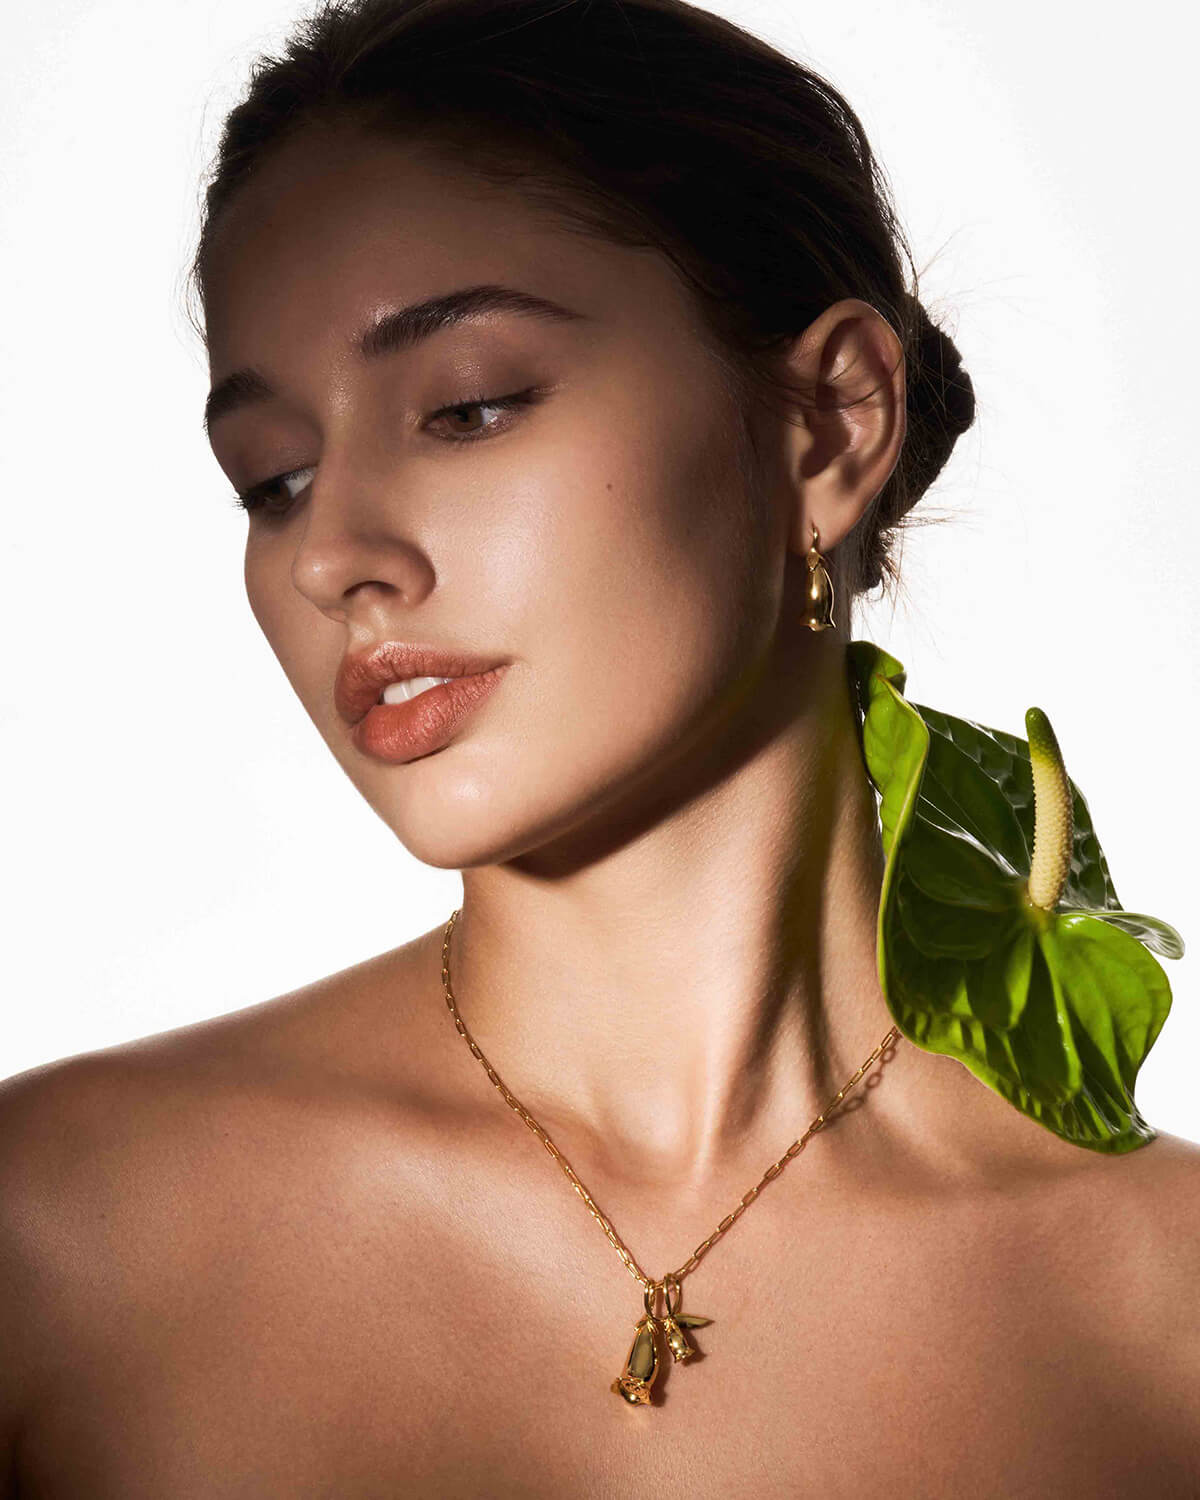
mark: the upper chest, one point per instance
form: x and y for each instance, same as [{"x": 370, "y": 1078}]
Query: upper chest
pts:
[{"x": 383, "y": 1330}]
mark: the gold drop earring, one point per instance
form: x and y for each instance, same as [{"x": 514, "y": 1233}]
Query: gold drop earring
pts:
[{"x": 818, "y": 597}]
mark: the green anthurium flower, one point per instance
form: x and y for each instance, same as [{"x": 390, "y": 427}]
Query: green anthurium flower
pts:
[{"x": 1001, "y": 941}]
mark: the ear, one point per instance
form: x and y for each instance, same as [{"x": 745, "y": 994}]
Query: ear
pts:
[{"x": 843, "y": 443}]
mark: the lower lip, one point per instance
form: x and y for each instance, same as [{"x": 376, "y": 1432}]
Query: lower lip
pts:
[{"x": 399, "y": 732}]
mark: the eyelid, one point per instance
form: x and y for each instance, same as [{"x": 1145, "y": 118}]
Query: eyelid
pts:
[
  {"x": 528, "y": 397},
  {"x": 254, "y": 498},
  {"x": 257, "y": 494}
]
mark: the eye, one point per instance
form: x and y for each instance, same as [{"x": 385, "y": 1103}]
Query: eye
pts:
[
  {"x": 258, "y": 495},
  {"x": 462, "y": 409}
]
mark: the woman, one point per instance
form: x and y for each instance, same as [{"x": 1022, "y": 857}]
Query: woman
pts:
[{"x": 550, "y": 343}]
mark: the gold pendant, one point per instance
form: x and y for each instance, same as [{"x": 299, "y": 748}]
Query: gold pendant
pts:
[{"x": 643, "y": 1362}]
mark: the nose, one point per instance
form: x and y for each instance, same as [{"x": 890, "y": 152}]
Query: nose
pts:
[{"x": 357, "y": 538}]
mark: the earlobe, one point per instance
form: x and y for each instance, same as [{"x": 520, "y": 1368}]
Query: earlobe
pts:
[{"x": 845, "y": 439}]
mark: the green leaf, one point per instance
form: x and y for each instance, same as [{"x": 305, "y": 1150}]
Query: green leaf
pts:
[{"x": 1055, "y": 1009}]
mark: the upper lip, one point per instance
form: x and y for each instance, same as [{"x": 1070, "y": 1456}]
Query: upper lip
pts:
[{"x": 363, "y": 675}]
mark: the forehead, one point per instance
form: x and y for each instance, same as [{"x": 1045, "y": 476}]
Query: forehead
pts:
[{"x": 337, "y": 227}]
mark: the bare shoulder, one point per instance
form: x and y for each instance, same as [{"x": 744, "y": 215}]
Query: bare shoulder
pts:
[
  {"x": 1158, "y": 1186},
  {"x": 1170, "y": 1163},
  {"x": 66, "y": 1125},
  {"x": 1137, "y": 1261},
  {"x": 43, "y": 1108},
  {"x": 111, "y": 1156}
]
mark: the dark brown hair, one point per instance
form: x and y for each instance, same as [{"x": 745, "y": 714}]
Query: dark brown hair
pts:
[{"x": 651, "y": 123}]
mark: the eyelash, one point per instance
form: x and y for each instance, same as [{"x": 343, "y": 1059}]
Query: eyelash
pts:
[{"x": 258, "y": 494}]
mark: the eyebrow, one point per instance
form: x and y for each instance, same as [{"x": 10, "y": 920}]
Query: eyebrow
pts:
[{"x": 401, "y": 329}]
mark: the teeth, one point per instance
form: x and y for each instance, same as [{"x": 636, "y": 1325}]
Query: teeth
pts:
[{"x": 401, "y": 692}]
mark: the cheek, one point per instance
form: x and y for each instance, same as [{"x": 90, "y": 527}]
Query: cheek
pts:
[
  {"x": 254, "y": 576},
  {"x": 267, "y": 602},
  {"x": 653, "y": 585},
  {"x": 294, "y": 630}
]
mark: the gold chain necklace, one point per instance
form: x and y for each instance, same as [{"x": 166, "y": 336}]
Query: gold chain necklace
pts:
[{"x": 642, "y": 1364}]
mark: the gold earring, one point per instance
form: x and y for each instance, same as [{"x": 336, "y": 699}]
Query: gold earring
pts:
[{"x": 818, "y": 599}]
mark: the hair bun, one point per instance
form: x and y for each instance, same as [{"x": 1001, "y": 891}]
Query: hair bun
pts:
[
  {"x": 936, "y": 378},
  {"x": 941, "y": 406}
]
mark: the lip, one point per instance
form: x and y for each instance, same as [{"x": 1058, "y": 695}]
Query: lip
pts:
[
  {"x": 400, "y": 732},
  {"x": 363, "y": 675}
]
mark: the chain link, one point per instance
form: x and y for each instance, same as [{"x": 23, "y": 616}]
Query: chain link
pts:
[{"x": 597, "y": 1213}]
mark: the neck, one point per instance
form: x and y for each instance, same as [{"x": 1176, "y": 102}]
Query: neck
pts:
[{"x": 707, "y": 976}]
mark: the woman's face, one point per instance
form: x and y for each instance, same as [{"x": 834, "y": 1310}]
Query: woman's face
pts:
[{"x": 598, "y": 538}]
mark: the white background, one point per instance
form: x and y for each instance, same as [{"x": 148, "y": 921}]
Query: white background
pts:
[{"x": 178, "y": 840}]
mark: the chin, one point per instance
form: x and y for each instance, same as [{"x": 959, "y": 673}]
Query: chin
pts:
[
  {"x": 458, "y": 822},
  {"x": 455, "y": 822}
]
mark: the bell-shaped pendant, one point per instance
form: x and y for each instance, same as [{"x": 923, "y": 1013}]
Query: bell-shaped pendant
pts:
[
  {"x": 677, "y": 1340},
  {"x": 641, "y": 1367},
  {"x": 818, "y": 595},
  {"x": 674, "y": 1322}
]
